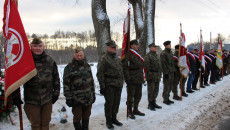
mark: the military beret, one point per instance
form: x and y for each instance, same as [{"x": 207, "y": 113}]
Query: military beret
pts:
[
  {"x": 36, "y": 41},
  {"x": 134, "y": 42},
  {"x": 152, "y": 45},
  {"x": 111, "y": 43},
  {"x": 177, "y": 47},
  {"x": 167, "y": 43},
  {"x": 78, "y": 49}
]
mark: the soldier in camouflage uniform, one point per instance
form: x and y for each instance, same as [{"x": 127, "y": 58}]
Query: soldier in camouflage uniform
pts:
[
  {"x": 111, "y": 78},
  {"x": 168, "y": 67},
  {"x": 153, "y": 75},
  {"x": 43, "y": 90},
  {"x": 79, "y": 89},
  {"x": 134, "y": 79},
  {"x": 176, "y": 74}
]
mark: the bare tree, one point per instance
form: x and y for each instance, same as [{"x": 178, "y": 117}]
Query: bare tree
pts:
[
  {"x": 101, "y": 24},
  {"x": 144, "y": 14}
]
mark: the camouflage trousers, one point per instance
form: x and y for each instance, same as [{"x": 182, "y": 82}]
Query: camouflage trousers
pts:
[
  {"x": 39, "y": 116},
  {"x": 112, "y": 100},
  {"x": 135, "y": 94},
  {"x": 81, "y": 113},
  {"x": 168, "y": 84},
  {"x": 175, "y": 86},
  {"x": 153, "y": 90}
]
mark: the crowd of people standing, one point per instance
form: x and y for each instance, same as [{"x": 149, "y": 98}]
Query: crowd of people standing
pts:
[{"x": 43, "y": 90}]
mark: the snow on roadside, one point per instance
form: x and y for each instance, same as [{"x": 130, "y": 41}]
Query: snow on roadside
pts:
[{"x": 199, "y": 110}]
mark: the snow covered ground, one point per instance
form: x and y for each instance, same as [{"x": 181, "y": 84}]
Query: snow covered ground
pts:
[{"x": 200, "y": 110}]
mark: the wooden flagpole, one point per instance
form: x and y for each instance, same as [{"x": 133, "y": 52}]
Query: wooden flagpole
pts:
[
  {"x": 128, "y": 41},
  {"x": 20, "y": 106},
  {"x": 181, "y": 76},
  {"x": 201, "y": 58}
]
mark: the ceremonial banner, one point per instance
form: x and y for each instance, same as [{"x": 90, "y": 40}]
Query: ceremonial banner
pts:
[
  {"x": 126, "y": 35},
  {"x": 183, "y": 57},
  {"x": 19, "y": 63},
  {"x": 202, "y": 58},
  {"x": 219, "y": 62}
]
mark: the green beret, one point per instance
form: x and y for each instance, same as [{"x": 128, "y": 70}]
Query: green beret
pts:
[
  {"x": 152, "y": 45},
  {"x": 111, "y": 44}
]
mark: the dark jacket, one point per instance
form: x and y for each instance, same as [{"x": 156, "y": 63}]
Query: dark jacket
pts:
[{"x": 192, "y": 62}]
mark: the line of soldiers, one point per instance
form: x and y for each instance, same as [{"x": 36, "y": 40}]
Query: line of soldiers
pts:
[{"x": 43, "y": 90}]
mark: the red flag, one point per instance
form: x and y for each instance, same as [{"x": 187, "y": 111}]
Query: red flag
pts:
[
  {"x": 202, "y": 58},
  {"x": 19, "y": 63},
  {"x": 126, "y": 35},
  {"x": 183, "y": 58}
]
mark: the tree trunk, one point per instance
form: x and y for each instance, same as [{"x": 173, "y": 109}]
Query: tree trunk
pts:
[
  {"x": 150, "y": 22},
  {"x": 139, "y": 25},
  {"x": 101, "y": 24}
]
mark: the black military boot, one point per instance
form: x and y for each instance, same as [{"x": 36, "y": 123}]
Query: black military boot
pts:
[
  {"x": 171, "y": 101},
  {"x": 156, "y": 106},
  {"x": 77, "y": 125},
  {"x": 85, "y": 124},
  {"x": 184, "y": 94},
  {"x": 131, "y": 116},
  {"x": 109, "y": 123},
  {"x": 115, "y": 121},
  {"x": 137, "y": 112},
  {"x": 151, "y": 107},
  {"x": 176, "y": 97},
  {"x": 166, "y": 102}
]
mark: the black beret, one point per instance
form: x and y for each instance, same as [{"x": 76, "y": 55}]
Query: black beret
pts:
[
  {"x": 167, "y": 43},
  {"x": 134, "y": 42},
  {"x": 36, "y": 41},
  {"x": 111, "y": 44},
  {"x": 177, "y": 47}
]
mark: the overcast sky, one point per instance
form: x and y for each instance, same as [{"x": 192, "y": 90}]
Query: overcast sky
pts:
[{"x": 48, "y": 16}]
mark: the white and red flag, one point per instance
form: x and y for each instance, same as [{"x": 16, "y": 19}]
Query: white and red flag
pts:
[
  {"x": 201, "y": 57},
  {"x": 126, "y": 35},
  {"x": 19, "y": 63},
  {"x": 183, "y": 57},
  {"x": 219, "y": 61}
]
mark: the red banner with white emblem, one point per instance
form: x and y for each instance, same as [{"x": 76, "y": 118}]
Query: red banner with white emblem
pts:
[{"x": 19, "y": 63}]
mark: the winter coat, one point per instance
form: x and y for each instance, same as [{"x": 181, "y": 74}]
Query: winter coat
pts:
[
  {"x": 110, "y": 71},
  {"x": 46, "y": 84},
  {"x": 134, "y": 72},
  {"x": 153, "y": 67},
  {"x": 78, "y": 83},
  {"x": 167, "y": 61}
]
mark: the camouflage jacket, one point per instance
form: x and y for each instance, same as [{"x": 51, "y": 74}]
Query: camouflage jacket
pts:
[
  {"x": 134, "y": 72},
  {"x": 78, "y": 83},
  {"x": 110, "y": 71},
  {"x": 167, "y": 61},
  {"x": 153, "y": 67},
  {"x": 40, "y": 89}
]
